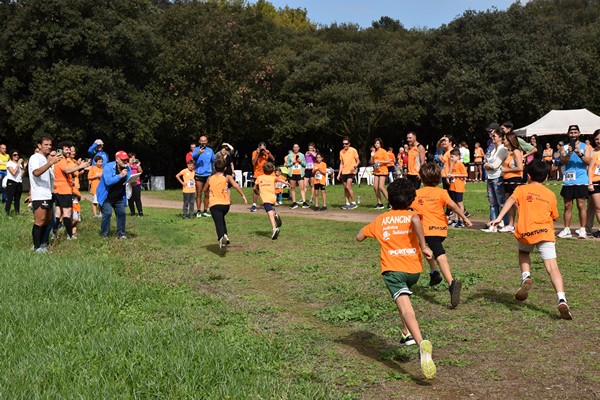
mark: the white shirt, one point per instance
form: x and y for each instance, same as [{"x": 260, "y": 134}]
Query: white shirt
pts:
[
  {"x": 41, "y": 186},
  {"x": 18, "y": 177}
]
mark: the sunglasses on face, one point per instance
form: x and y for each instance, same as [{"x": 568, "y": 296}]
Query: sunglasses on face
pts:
[
  {"x": 15, "y": 155},
  {"x": 345, "y": 144}
]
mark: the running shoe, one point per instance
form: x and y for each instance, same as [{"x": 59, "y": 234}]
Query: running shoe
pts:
[
  {"x": 507, "y": 229},
  {"x": 278, "y": 222},
  {"x": 467, "y": 214},
  {"x": 435, "y": 278},
  {"x": 523, "y": 291},
  {"x": 311, "y": 200},
  {"x": 41, "y": 250},
  {"x": 317, "y": 208},
  {"x": 206, "y": 214},
  {"x": 198, "y": 214},
  {"x": 379, "y": 206},
  {"x": 459, "y": 224},
  {"x": 581, "y": 233},
  {"x": 253, "y": 208},
  {"x": 352, "y": 206},
  {"x": 596, "y": 235},
  {"x": 122, "y": 237},
  {"x": 565, "y": 233},
  {"x": 294, "y": 206},
  {"x": 407, "y": 340},
  {"x": 275, "y": 234},
  {"x": 491, "y": 229},
  {"x": 222, "y": 246},
  {"x": 305, "y": 205},
  {"x": 452, "y": 223},
  {"x": 324, "y": 208},
  {"x": 345, "y": 207},
  {"x": 564, "y": 310},
  {"x": 427, "y": 364},
  {"x": 227, "y": 241},
  {"x": 454, "y": 289}
]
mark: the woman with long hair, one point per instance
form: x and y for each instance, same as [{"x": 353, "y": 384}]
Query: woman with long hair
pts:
[
  {"x": 512, "y": 173},
  {"x": 380, "y": 161},
  {"x": 594, "y": 177},
  {"x": 15, "y": 169}
]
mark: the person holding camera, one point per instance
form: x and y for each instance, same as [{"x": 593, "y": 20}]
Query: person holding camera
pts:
[
  {"x": 96, "y": 149},
  {"x": 204, "y": 159},
  {"x": 15, "y": 169},
  {"x": 576, "y": 157},
  {"x": 296, "y": 163},
  {"x": 136, "y": 187},
  {"x": 260, "y": 156}
]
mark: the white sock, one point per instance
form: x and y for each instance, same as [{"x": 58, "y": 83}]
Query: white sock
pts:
[
  {"x": 525, "y": 275},
  {"x": 254, "y": 204},
  {"x": 561, "y": 296}
]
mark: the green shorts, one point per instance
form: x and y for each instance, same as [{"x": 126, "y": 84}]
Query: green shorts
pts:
[{"x": 398, "y": 283}]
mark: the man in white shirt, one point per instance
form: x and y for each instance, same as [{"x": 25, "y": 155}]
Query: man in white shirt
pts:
[{"x": 41, "y": 182}]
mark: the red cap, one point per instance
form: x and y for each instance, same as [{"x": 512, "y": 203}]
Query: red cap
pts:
[{"x": 122, "y": 155}]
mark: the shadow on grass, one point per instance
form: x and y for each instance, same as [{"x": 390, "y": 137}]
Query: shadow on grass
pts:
[
  {"x": 263, "y": 233},
  {"x": 428, "y": 294},
  {"x": 214, "y": 248},
  {"x": 375, "y": 347},
  {"x": 508, "y": 300}
]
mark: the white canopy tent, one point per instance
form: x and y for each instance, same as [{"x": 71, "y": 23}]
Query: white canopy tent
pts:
[{"x": 556, "y": 122}]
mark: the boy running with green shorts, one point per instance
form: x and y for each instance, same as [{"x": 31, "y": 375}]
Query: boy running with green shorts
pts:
[{"x": 400, "y": 235}]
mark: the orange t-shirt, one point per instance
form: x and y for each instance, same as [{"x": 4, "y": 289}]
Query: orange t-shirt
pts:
[
  {"x": 536, "y": 205},
  {"x": 262, "y": 159},
  {"x": 348, "y": 158},
  {"x": 187, "y": 177},
  {"x": 479, "y": 154},
  {"x": 413, "y": 161},
  {"x": 392, "y": 158},
  {"x": 510, "y": 163},
  {"x": 218, "y": 190},
  {"x": 381, "y": 157},
  {"x": 63, "y": 183},
  {"x": 458, "y": 184},
  {"x": 400, "y": 250},
  {"x": 266, "y": 186},
  {"x": 94, "y": 182},
  {"x": 446, "y": 169},
  {"x": 279, "y": 185},
  {"x": 429, "y": 204},
  {"x": 595, "y": 166},
  {"x": 320, "y": 173}
]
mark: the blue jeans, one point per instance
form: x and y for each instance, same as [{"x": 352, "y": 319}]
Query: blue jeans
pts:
[
  {"x": 107, "y": 209},
  {"x": 2, "y": 175},
  {"x": 495, "y": 189}
]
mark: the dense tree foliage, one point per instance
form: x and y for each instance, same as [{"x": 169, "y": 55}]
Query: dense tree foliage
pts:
[{"x": 150, "y": 76}]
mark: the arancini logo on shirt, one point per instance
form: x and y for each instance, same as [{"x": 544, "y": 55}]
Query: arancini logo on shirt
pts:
[
  {"x": 529, "y": 198},
  {"x": 396, "y": 219},
  {"x": 402, "y": 252},
  {"x": 421, "y": 202}
]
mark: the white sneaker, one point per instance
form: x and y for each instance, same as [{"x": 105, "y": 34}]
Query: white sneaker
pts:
[
  {"x": 507, "y": 229},
  {"x": 565, "y": 233},
  {"x": 491, "y": 229},
  {"x": 501, "y": 224},
  {"x": 581, "y": 233},
  {"x": 427, "y": 364}
]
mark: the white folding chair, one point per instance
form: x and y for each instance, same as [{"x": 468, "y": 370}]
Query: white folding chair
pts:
[
  {"x": 248, "y": 182},
  {"x": 238, "y": 177}
]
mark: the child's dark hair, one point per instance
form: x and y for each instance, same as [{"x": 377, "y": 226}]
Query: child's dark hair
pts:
[
  {"x": 401, "y": 194},
  {"x": 430, "y": 174},
  {"x": 268, "y": 168},
  {"x": 537, "y": 170},
  {"x": 220, "y": 165},
  {"x": 98, "y": 158},
  {"x": 277, "y": 169},
  {"x": 455, "y": 152}
]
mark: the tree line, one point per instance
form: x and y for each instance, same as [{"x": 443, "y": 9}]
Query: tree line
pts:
[{"x": 150, "y": 76}]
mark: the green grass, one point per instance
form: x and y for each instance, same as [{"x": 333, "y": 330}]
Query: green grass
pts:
[{"x": 162, "y": 315}]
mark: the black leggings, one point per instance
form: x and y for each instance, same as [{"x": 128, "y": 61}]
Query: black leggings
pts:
[
  {"x": 13, "y": 193},
  {"x": 218, "y": 213},
  {"x": 136, "y": 199}
]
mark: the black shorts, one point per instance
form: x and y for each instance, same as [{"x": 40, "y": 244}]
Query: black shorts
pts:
[
  {"x": 318, "y": 186},
  {"x": 308, "y": 173},
  {"x": 415, "y": 180},
  {"x": 64, "y": 200},
  {"x": 456, "y": 197},
  {"x": 296, "y": 178},
  {"x": 596, "y": 189},
  {"x": 268, "y": 207},
  {"x": 511, "y": 184},
  {"x": 435, "y": 244},
  {"x": 345, "y": 177},
  {"x": 570, "y": 192},
  {"x": 43, "y": 204},
  {"x": 199, "y": 178}
]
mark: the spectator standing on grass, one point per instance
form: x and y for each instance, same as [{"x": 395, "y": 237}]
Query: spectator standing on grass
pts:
[
  {"x": 416, "y": 157},
  {"x": 380, "y": 161},
  {"x": 15, "y": 169},
  {"x": 465, "y": 155},
  {"x": 478, "y": 155},
  {"x": 557, "y": 171},
  {"x": 94, "y": 176},
  {"x": 188, "y": 187},
  {"x": 42, "y": 182},
  {"x": 349, "y": 162},
  {"x": 400, "y": 235},
  {"x": 136, "y": 187},
  {"x": 537, "y": 209},
  {"x": 260, "y": 157},
  {"x": 512, "y": 174},
  {"x": 594, "y": 181},
  {"x": 190, "y": 154},
  {"x": 4, "y": 158},
  {"x": 576, "y": 158},
  {"x": 111, "y": 193},
  {"x": 547, "y": 157},
  {"x": 97, "y": 149},
  {"x": 320, "y": 182},
  {"x": 457, "y": 177},
  {"x": 495, "y": 182},
  {"x": 392, "y": 163},
  {"x": 225, "y": 155},
  {"x": 296, "y": 164},
  {"x": 204, "y": 158},
  {"x": 311, "y": 158}
]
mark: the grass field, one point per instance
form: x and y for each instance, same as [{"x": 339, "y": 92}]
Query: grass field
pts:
[{"x": 162, "y": 315}]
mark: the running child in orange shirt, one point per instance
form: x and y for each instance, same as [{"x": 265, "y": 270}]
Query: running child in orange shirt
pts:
[
  {"x": 265, "y": 187},
  {"x": 320, "y": 182},
  {"x": 430, "y": 203},
  {"x": 457, "y": 187},
  {"x": 536, "y": 205},
  {"x": 400, "y": 235},
  {"x": 219, "y": 200}
]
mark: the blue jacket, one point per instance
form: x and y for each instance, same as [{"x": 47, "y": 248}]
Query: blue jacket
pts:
[
  {"x": 203, "y": 162},
  {"x": 93, "y": 153},
  {"x": 109, "y": 178}
]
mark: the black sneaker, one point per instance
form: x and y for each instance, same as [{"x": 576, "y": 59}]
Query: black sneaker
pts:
[
  {"x": 459, "y": 224},
  {"x": 596, "y": 235},
  {"x": 454, "y": 290},
  {"x": 324, "y": 208},
  {"x": 379, "y": 206},
  {"x": 407, "y": 340},
  {"x": 467, "y": 214},
  {"x": 564, "y": 310},
  {"x": 317, "y": 208},
  {"x": 435, "y": 278},
  {"x": 294, "y": 206},
  {"x": 305, "y": 205},
  {"x": 278, "y": 220},
  {"x": 253, "y": 208}
]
